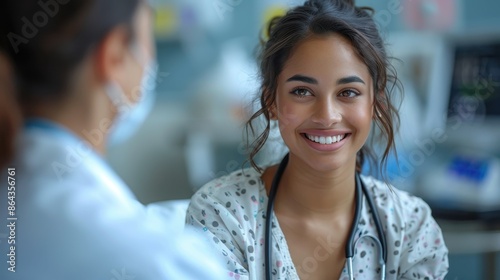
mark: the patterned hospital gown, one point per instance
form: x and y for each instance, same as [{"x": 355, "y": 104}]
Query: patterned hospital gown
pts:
[{"x": 231, "y": 211}]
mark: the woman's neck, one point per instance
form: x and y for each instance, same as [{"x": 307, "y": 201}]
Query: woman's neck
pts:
[{"x": 305, "y": 192}]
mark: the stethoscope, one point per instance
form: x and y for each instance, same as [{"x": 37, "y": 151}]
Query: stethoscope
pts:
[{"x": 349, "y": 249}]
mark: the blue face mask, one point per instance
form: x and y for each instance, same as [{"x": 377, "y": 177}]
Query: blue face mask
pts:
[{"x": 131, "y": 116}]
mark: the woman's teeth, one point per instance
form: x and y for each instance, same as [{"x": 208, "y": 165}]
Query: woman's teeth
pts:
[{"x": 326, "y": 139}]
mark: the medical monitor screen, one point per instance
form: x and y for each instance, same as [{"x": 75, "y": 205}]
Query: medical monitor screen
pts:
[{"x": 475, "y": 86}]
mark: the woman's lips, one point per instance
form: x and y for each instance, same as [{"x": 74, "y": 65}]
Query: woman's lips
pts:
[
  {"x": 324, "y": 142},
  {"x": 325, "y": 139}
]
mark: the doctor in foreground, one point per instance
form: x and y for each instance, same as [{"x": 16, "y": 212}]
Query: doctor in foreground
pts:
[
  {"x": 82, "y": 81},
  {"x": 326, "y": 81}
]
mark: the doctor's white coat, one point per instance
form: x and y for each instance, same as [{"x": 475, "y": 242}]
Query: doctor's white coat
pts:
[{"x": 75, "y": 219}]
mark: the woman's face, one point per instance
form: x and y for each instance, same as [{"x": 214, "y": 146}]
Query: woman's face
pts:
[{"x": 324, "y": 103}]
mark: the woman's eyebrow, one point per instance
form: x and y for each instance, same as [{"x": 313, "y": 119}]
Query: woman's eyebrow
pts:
[
  {"x": 310, "y": 80},
  {"x": 350, "y": 79},
  {"x": 302, "y": 78}
]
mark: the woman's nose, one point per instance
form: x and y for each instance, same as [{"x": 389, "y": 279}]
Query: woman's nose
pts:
[{"x": 327, "y": 113}]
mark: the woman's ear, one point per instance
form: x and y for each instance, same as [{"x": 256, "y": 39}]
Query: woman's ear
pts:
[
  {"x": 273, "y": 112},
  {"x": 271, "y": 105}
]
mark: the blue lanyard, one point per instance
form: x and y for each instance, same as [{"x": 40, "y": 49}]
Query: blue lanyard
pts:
[
  {"x": 100, "y": 166},
  {"x": 60, "y": 132},
  {"x": 52, "y": 128}
]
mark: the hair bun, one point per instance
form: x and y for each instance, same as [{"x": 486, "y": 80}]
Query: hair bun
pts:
[
  {"x": 349, "y": 2},
  {"x": 342, "y": 3}
]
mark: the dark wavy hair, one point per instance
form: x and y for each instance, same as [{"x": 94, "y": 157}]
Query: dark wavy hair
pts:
[
  {"x": 322, "y": 17},
  {"x": 47, "y": 40}
]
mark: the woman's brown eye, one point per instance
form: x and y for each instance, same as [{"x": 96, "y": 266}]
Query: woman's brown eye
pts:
[
  {"x": 301, "y": 92},
  {"x": 349, "y": 93}
]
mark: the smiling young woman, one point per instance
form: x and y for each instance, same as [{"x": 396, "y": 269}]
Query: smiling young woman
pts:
[{"x": 326, "y": 81}]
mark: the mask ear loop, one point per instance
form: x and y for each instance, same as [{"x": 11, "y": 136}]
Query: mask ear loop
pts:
[
  {"x": 114, "y": 91},
  {"x": 151, "y": 74},
  {"x": 117, "y": 97},
  {"x": 148, "y": 83},
  {"x": 138, "y": 54}
]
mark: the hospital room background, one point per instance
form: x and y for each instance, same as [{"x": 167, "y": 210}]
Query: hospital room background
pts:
[{"x": 448, "y": 146}]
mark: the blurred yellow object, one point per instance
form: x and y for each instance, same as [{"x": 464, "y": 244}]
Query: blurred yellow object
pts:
[
  {"x": 270, "y": 13},
  {"x": 166, "y": 21}
]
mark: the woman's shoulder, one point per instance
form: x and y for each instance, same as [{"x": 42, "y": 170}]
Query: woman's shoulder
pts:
[
  {"x": 230, "y": 204},
  {"x": 244, "y": 185},
  {"x": 411, "y": 232},
  {"x": 395, "y": 202}
]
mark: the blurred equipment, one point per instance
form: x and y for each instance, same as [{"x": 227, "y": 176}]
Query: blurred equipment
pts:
[
  {"x": 431, "y": 14},
  {"x": 468, "y": 183},
  {"x": 185, "y": 20},
  {"x": 215, "y": 145},
  {"x": 464, "y": 181}
]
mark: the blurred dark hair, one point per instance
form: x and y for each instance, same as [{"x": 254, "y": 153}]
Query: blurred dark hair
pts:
[
  {"x": 10, "y": 117},
  {"x": 323, "y": 17},
  {"x": 46, "y": 40}
]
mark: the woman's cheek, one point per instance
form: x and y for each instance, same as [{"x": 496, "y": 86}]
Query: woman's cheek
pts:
[
  {"x": 364, "y": 121},
  {"x": 287, "y": 117}
]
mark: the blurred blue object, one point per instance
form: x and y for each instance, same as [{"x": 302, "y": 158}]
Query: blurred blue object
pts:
[{"x": 469, "y": 169}]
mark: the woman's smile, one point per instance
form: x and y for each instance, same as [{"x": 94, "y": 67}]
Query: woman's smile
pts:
[{"x": 326, "y": 140}]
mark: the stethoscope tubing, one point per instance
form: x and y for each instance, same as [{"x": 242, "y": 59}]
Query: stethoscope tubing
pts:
[
  {"x": 269, "y": 213},
  {"x": 349, "y": 250}
]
